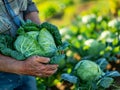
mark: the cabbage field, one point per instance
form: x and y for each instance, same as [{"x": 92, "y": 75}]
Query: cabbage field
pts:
[{"x": 92, "y": 29}]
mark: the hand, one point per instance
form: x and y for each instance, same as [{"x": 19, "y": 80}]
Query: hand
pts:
[{"x": 38, "y": 66}]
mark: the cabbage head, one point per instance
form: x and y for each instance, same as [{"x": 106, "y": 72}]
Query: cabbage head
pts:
[
  {"x": 87, "y": 70},
  {"x": 36, "y": 43}
]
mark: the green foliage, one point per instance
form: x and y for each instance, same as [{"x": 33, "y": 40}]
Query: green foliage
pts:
[
  {"x": 87, "y": 21},
  {"x": 12, "y": 53},
  {"x": 93, "y": 47},
  {"x": 89, "y": 76},
  {"x": 6, "y": 47},
  {"x": 49, "y": 9},
  {"x": 59, "y": 59},
  {"x": 67, "y": 2},
  {"x": 106, "y": 82},
  {"x": 96, "y": 41}
]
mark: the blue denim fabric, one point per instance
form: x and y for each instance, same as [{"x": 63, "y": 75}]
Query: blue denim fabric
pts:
[{"x": 10, "y": 81}]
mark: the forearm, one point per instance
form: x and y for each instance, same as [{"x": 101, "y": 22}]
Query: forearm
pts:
[
  {"x": 34, "y": 66},
  {"x": 8, "y": 64},
  {"x": 33, "y": 16}
]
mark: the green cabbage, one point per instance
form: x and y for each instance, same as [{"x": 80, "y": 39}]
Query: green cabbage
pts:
[
  {"x": 33, "y": 39},
  {"x": 36, "y": 43},
  {"x": 87, "y": 70}
]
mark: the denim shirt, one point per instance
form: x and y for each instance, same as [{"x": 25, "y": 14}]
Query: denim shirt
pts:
[{"x": 21, "y": 8}]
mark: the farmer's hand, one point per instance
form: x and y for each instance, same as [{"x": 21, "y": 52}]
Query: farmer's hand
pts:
[{"x": 37, "y": 66}]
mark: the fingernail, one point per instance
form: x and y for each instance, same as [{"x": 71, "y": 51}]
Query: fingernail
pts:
[{"x": 48, "y": 59}]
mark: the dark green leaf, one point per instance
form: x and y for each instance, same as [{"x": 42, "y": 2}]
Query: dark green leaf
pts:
[
  {"x": 58, "y": 59},
  {"x": 64, "y": 45},
  {"x": 112, "y": 74},
  {"x": 102, "y": 62},
  {"x": 106, "y": 82},
  {"x": 69, "y": 78}
]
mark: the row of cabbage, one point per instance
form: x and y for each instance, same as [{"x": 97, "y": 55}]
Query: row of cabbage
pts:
[
  {"x": 94, "y": 46},
  {"x": 94, "y": 40}
]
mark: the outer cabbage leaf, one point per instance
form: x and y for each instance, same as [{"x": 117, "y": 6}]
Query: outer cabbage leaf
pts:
[
  {"x": 106, "y": 82},
  {"x": 59, "y": 59},
  {"x": 13, "y": 53},
  {"x": 47, "y": 43}
]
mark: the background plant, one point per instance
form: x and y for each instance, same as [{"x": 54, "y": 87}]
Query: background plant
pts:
[{"x": 92, "y": 29}]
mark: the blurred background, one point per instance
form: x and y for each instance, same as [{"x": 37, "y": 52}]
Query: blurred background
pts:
[
  {"x": 80, "y": 22},
  {"x": 64, "y": 12}
]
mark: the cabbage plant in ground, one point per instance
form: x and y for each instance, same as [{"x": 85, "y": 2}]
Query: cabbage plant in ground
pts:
[
  {"x": 88, "y": 75},
  {"x": 95, "y": 40}
]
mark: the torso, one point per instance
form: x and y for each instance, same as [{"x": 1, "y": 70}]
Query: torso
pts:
[{"x": 6, "y": 23}]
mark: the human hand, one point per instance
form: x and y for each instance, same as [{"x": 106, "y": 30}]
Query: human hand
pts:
[{"x": 38, "y": 66}]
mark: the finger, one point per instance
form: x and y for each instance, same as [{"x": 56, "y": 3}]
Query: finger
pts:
[
  {"x": 51, "y": 67},
  {"x": 42, "y": 59},
  {"x": 50, "y": 72}
]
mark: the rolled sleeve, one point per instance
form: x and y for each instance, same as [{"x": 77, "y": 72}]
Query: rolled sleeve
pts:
[{"x": 31, "y": 7}]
